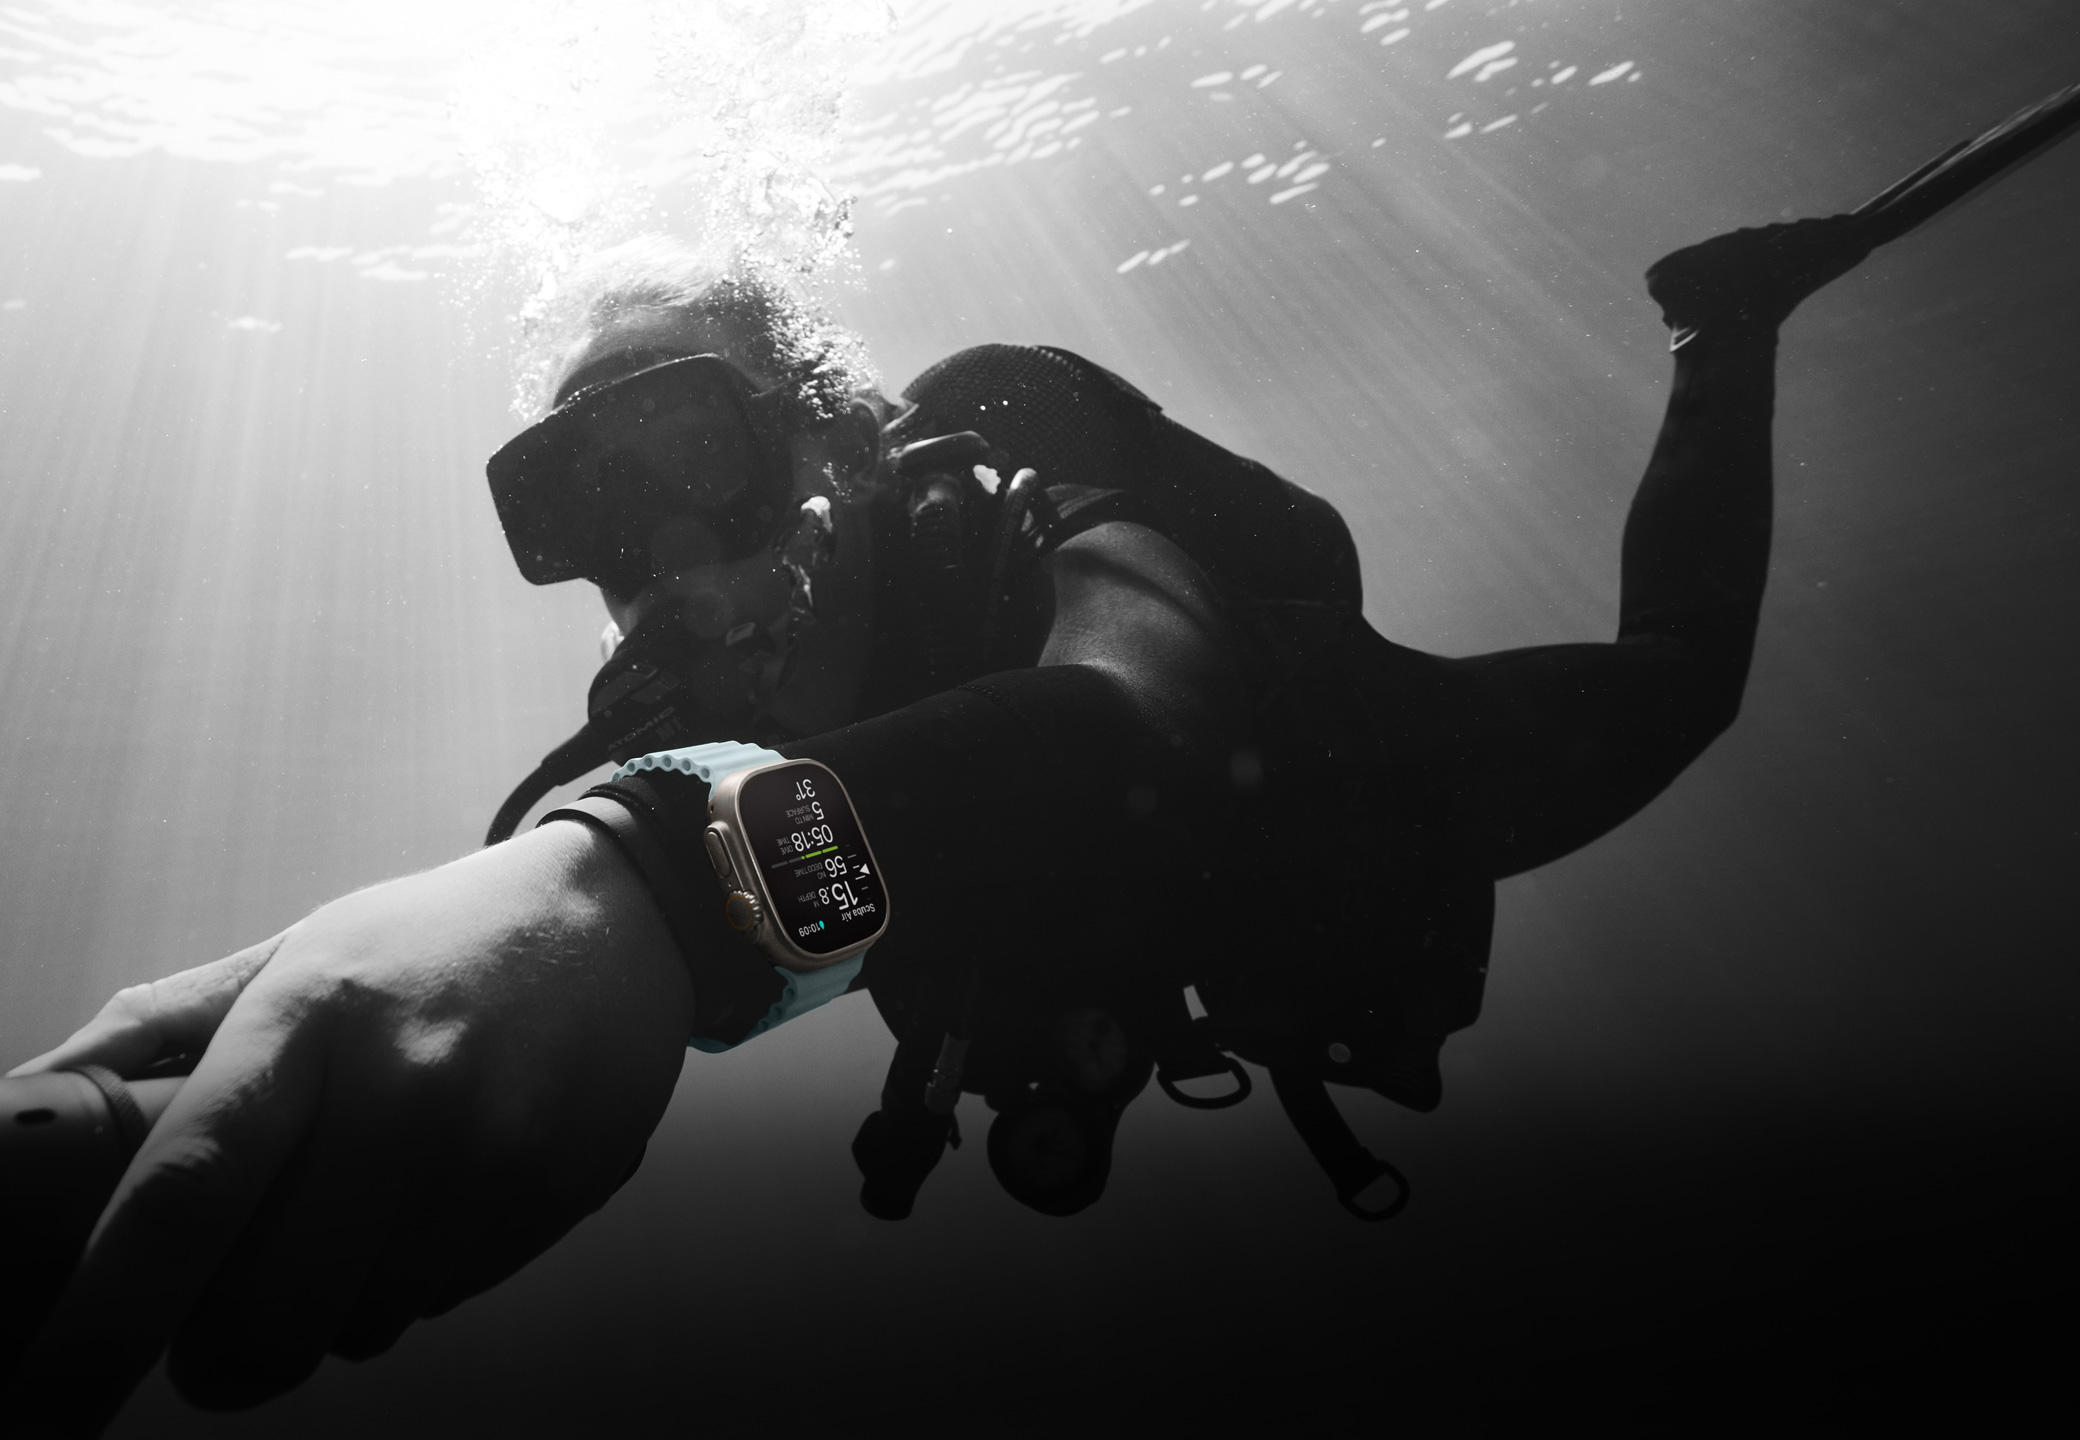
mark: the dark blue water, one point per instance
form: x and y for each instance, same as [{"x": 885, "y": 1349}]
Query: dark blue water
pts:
[{"x": 1773, "y": 1088}]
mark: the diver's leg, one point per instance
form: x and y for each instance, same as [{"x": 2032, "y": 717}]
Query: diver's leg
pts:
[
  {"x": 1696, "y": 548},
  {"x": 1697, "y": 538},
  {"x": 1570, "y": 740}
]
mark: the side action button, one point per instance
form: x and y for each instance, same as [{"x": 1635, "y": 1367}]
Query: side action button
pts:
[{"x": 718, "y": 857}]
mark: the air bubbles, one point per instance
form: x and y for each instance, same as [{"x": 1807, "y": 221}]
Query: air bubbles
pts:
[
  {"x": 587, "y": 127},
  {"x": 565, "y": 196}
]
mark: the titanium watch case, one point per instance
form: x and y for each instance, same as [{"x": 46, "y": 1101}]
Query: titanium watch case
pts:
[{"x": 744, "y": 881}]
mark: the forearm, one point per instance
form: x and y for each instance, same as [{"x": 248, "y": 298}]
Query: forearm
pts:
[
  {"x": 996, "y": 808},
  {"x": 600, "y": 889}
]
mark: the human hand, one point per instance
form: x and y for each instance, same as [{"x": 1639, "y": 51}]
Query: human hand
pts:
[
  {"x": 403, "y": 1099},
  {"x": 159, "y": 1020}
]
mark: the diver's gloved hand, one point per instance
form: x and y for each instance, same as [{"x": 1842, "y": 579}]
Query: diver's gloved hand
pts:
[
  {"x": 1753, "y": 279},
  {"x": 411, "y": 1094}
]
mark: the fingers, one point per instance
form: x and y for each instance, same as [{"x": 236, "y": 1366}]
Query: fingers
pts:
[
  {"x": 269, "y": 1316},
  {"x": 506, "y": 1215},
  {"x": 495, "y": 1256},
  {"x": 178, "y": 1212},
  {"x": 161, "y": 1018},
  {"x": 449, "y": 1253},
  {"x": 416, "y": 1267}
]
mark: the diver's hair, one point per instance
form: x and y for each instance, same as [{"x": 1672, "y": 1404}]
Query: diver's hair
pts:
[{"x": 768, "y": 324}]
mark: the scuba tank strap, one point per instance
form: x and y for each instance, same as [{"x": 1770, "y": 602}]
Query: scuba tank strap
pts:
[{"x": 1351, "y": 1168}]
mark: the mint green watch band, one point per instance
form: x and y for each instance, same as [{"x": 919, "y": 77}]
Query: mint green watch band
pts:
[
  {"x": 710, "y": 762},
  {"x": 804, "y": 991}
]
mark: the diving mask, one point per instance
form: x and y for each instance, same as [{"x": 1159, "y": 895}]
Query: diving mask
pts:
[{"x": 681, "y": 464}]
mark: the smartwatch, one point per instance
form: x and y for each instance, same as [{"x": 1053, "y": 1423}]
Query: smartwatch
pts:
[{"x": 798, "y": 877}]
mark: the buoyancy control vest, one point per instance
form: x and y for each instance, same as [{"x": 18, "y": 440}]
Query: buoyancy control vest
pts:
[{"x": 1354, "y": 939}]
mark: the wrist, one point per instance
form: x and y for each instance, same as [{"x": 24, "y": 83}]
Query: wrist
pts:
[
  {"x": 730, "y": 996},
  {"x": 592, "y": 871}
]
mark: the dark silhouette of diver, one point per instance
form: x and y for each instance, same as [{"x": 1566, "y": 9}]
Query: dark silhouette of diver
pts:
[{"x": 407, "y": 1095}]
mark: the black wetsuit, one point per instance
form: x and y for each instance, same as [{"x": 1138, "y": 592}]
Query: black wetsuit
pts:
[
  {"x": 1313, "y": 881},
  {"x": 1312, "y": 889},
  {"x": 1328, "y": 885}
]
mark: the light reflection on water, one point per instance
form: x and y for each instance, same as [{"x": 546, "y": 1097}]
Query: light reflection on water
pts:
[
  {"x": 261, "y": 644},
  {"x": 581, "y": 122}
]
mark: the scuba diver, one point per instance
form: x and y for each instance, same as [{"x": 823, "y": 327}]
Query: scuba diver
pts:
[{"x": 1101, "y": 694}]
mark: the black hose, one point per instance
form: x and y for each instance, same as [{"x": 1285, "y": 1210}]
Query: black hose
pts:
[{"x": 560, "y": 766}]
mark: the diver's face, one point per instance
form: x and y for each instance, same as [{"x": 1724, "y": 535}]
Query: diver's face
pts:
[{"x": 719, "y": 598}]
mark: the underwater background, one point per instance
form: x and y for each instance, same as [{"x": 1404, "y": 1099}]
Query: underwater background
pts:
[{"x": 1774, "y": 1091}]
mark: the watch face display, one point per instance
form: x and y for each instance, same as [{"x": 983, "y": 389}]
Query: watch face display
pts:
[{"x": 824, "y": 889}]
